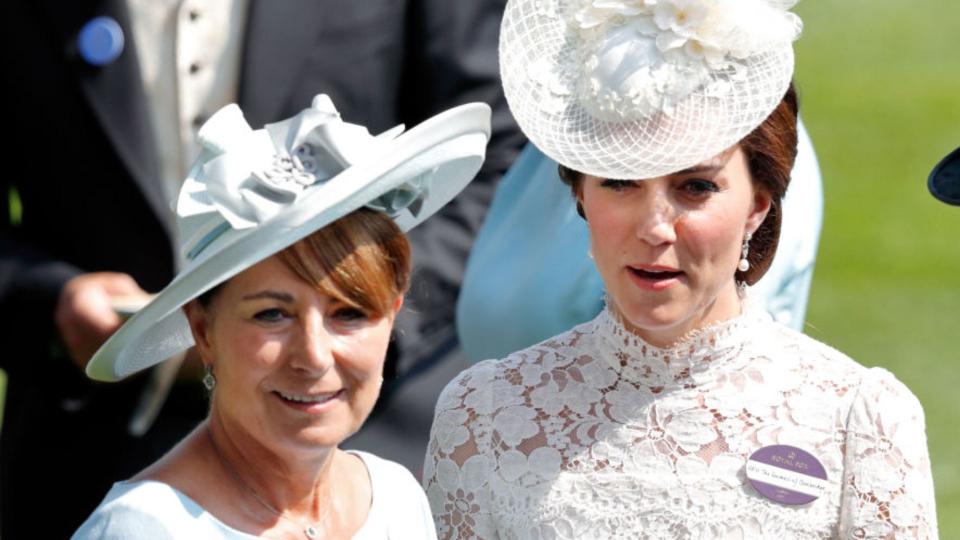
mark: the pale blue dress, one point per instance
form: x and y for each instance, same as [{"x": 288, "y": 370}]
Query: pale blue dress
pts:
[{"x": 157, "y": 511}]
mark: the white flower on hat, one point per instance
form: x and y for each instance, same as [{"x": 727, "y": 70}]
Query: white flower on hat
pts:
[
  {"x": 599, "y": 11},
  {"x": 680, "y": 20},
  {"x": 643, "y": 56}
]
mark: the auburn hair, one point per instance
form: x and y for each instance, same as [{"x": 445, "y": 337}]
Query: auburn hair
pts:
[{"x": 362, "y": 260}]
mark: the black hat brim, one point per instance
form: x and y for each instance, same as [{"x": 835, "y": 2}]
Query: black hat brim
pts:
[{"x": 944, "y": 181}]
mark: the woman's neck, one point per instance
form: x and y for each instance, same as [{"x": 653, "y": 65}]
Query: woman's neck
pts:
[
  {"x": 727, "y": 305},
  {"x": 300, "y": 484},
  {"x": 251, "y": 489}
]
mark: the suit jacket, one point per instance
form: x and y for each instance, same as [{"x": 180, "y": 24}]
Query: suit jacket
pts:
[{"x": 85, "y": 195}]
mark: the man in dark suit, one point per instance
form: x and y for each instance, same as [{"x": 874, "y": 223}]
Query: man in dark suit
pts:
[{"x": 85, "y": 216}]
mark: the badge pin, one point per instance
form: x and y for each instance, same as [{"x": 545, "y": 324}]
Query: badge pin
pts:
[
  {"x": 100, "y": 41},
  {"x": 786, "y": 474}
]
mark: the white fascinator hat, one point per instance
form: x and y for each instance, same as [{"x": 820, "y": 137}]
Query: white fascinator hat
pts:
[
  {"x": 252, "y": 193},
  {"x": 634, "y": 89}
]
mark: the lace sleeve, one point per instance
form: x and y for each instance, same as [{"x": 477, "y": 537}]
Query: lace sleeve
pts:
[
  {"x": 887, "y": 486},
  {"x": 456, "y": 470}
]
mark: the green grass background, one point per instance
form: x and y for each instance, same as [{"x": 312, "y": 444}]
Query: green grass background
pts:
[
  {"x": 880, "y": 87},
  {"x": 879, "y": 82}
]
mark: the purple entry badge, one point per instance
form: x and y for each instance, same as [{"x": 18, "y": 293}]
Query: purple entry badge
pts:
[{"x": 786, "y": 474}]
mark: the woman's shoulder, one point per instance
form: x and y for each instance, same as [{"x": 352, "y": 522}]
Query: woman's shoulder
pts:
[
  {"x": 399, "y": 503},
  {"x": 883, "y": 400},
  {"x": 790, "y": 347},
  {"x": 821, "y": 361},
  {"x": 385, "y": 472},
  {"x": 139, "y": 492},
  {"x": 567, "y": 344},
  {"x": 497, "y": 380},
  {"x": 136, "y": 510},
  {"x": 150, "y": 509}
]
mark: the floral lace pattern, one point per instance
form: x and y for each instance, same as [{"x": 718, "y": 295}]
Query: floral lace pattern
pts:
[{"x": 597, "y": 434}]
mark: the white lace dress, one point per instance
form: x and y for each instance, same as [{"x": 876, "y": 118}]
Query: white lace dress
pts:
[{"x": 597, "y": 434}]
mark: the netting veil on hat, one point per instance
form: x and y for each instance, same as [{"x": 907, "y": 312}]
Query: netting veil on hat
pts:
[{"x": 643, "y": 88}]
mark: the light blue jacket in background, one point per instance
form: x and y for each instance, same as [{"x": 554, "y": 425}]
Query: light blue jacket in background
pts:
[{"x": 529, "y": 278}]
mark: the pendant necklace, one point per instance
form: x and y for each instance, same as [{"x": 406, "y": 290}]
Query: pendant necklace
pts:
[{"x": 310, "y": 530}]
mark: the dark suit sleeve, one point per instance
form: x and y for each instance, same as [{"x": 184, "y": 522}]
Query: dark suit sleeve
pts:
[
  {"x": 80, "y": 207},
  {"x": 451, "y": 58},
  {"x": 30, "y": 285},
  {"x": 31, "y": 276}
]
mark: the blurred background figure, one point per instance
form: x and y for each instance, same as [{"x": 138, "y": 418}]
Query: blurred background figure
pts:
[
  {"x": 944, "y": 180},
  {"x": 529, "y": 276},
  {"x": 104, "y": 100}
]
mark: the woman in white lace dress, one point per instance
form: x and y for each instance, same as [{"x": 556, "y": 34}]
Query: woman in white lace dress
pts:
[{"x": 675, "y": 125}]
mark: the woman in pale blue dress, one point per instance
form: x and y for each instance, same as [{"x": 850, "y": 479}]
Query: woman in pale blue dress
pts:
[{"x": 296, "y": 266}]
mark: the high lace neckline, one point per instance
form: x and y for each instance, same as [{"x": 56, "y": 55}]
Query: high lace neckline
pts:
[
  {"x": 596, "y": 433},
  {"x": 690, "y": 361}
]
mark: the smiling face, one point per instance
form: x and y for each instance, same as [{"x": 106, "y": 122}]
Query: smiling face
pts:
[
  {"x": 667, "y": 248},
  {"x": 297, "y": 342},
  {"x": 294, "y": 366}
]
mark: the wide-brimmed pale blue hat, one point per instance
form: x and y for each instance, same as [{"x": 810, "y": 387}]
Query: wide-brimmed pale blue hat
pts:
[{"x": 253, "y": 193}]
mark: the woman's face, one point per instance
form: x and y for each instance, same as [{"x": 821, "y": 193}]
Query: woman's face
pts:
[
  {"x": 667, "y": 248},
  {"x": 294, "y": 367}
]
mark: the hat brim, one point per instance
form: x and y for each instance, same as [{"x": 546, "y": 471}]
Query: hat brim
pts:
[
  {"x": 449, "y": 147},
  {"x": 944, "y": 180}
]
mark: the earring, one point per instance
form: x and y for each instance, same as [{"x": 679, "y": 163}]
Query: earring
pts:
[
  {"x": 590, "y": 252},
  {"x": 744, "y": 264},
  {"x": 209, "y": 381}
]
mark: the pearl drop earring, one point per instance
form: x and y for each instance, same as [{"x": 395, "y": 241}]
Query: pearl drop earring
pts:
[{"x": 744, "y": 264}]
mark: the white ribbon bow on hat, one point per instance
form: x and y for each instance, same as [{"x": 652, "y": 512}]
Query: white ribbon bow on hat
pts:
[{"x": 244, "y": 177}]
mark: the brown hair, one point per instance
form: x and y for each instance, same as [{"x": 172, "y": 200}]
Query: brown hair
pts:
[
  {"x": 770, "y": 150},
  {"x": 362, "y": 259}
]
